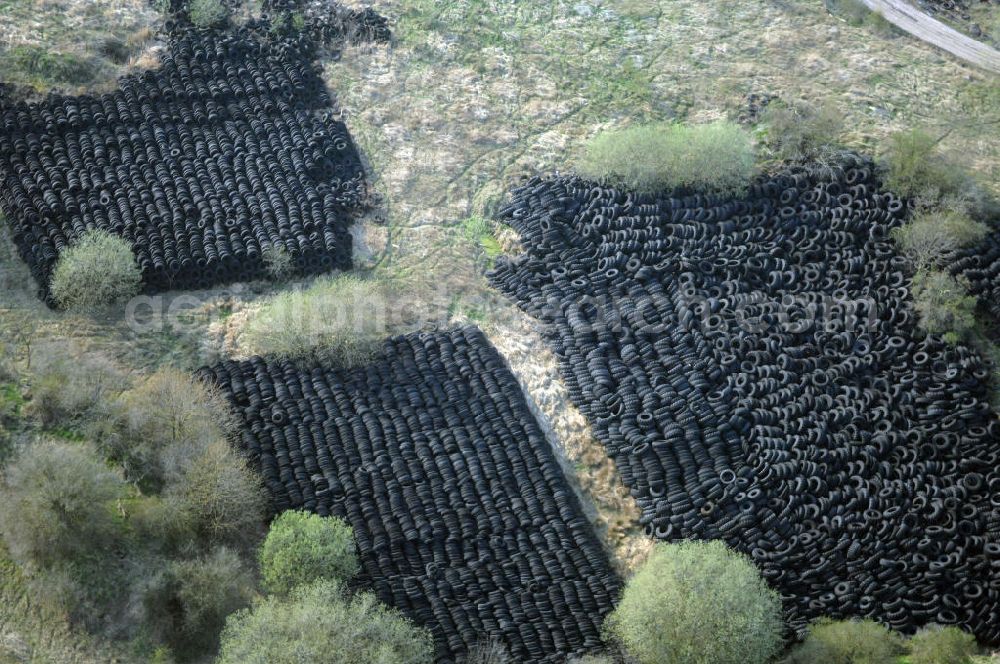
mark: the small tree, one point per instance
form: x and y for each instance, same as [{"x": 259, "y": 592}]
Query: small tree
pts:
[
  {"x": 714, "y": 157},
  {"x": 190, "y": 603},
  {"x": 319, "y": 624},
  {"x": 57, "y": 504},
  {"x": 163, "y": 425},
  {"x": 278, "y": 262},
  {"x": 932, "y": 234},
  {"x": 222, "y": 497},
  {"x": 489, "y": 650},
  {"x": 302, "y": 548},
  {"x": 943, "y": 304},
  {"x": 942, "y": 645},
  {"x": 847, "y": 642},
  {"x": 917, "y": 170},
  {"x": 802, "y": 131},
  {"x": 98, "y": 270},
  {"x": 70, "y": 388},
  {"x": 207, "y": 13},
  {"x": 697, "y": 603}
]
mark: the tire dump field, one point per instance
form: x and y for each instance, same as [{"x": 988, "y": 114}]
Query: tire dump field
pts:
[
  {"x": 754, "y": 368},
  {"x": 460, "y": 510},
  {"x": 228, "y": 150}
]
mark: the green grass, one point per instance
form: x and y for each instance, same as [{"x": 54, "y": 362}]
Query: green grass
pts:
[
  {"x": 72, "y": 46},
  {"x": 479, "y": 232},
  {"x": 11, "y": 400},
  {"x": 42, "y": 68},
  {"x": 67, "y": 433}
]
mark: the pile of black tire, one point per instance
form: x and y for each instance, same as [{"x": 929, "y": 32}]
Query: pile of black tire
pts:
[
  {"x": 227, "y": 150},
  {"x": 754, "y": 368},
  {"x": 462, "y": 516},
  {"x": 957, "y": 10},
  {"x": 329, "y": 22}
]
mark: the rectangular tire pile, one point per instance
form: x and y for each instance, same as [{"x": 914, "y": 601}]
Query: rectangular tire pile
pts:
[
  {"x": 754, "y": 368},
  {"x": 230, "y": 147},
  {"x": 461, "y": 513}
]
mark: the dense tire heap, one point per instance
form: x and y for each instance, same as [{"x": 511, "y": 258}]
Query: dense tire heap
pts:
[
  {"x": 461, "y": 513},
  {"x": 227, "y": 150},
  {"x": 330, "y": 22},
  {"x": 754, "y": 369}
]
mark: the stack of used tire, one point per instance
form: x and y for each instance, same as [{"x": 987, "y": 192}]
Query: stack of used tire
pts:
[
  {"x": 328, "y": 22},
  {"x": 754, "y": 368},
  {"x": 231, "y": 148},
  {"x": 949, "y": 8},
  {"x": 462, "y": 516}
]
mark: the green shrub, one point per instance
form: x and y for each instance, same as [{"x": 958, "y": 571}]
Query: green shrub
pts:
[
  {"x": 207, "y": 13},
  {"x": 802, "y": 131},
  {"x": 190, "y": 603},
  {"x": 697, "y": 603},
  {"x": 41, "y": 67},
  {"x": 71, "y": 387},
  {"x": 715, "y": 157},
  {"x": 319, "y": 624},
  {"x": 223, "y": 499},
  {"x": 942, "y": 645},
  {"x": 916, "y": 169},
  {"x": 57, "y": 504},
  {"x": 847, "y": 642},
  {"x": 301, "y": 548},
  {"x": 931, "y": 234},
  {"x": 340, "y": 319},
  {"x": 278, "y": 262},
  {"x": 489, "y": 650},
  {"x": 944, "y": 306},
  {"x": 96, "y": 271}
]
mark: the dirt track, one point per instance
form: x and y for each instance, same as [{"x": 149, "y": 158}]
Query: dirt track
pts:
[{"x": 909, "y": 18}]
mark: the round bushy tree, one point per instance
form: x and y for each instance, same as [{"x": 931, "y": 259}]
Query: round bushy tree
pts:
[
  {"x": 98, "y": 270},
  {"x": 697, "y": 603},
  {"x": 320, "y": 624},
  {"x": 847, "y": 642},
  {"x": 302, "y": 548},
  {"x": 189, "y": 604},
  {"x": 223, "y": 498},
  {"x": 57, "y": 504}
]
